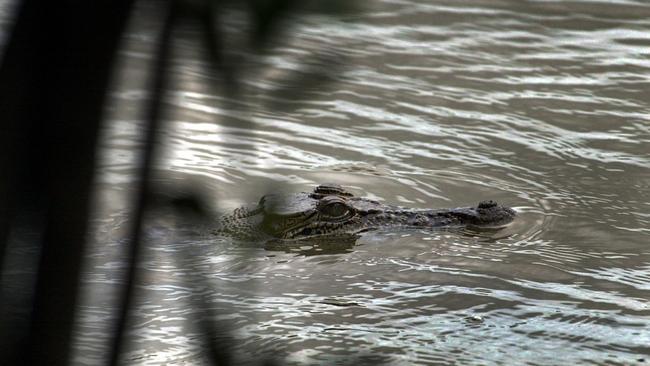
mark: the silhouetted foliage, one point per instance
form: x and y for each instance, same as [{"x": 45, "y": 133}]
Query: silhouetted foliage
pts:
[{"x": 54, "y": 80}]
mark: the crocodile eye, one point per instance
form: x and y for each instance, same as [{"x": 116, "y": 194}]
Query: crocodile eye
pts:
[{"x": 335, "y": 209}]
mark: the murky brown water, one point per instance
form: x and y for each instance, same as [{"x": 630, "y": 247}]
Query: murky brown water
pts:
[{"x": 540, "y": 105}]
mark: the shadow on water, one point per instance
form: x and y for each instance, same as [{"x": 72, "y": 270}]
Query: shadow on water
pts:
[{"x": 55, "y": 75}]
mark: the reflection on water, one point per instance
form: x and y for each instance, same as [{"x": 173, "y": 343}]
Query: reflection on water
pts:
[{"x": 540, "y": 105}]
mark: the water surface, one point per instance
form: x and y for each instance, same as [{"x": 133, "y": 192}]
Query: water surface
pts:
[{"x": 539, "y": 105}]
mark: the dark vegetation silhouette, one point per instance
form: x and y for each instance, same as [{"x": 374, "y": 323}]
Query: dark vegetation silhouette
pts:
[{"x": 55, "y": 75}]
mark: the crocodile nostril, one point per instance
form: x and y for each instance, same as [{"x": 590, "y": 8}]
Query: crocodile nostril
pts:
[{"x": 487, "y": 204}]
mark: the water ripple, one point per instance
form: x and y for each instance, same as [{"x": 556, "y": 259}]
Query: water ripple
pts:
[{"x": 539, "y": 105}]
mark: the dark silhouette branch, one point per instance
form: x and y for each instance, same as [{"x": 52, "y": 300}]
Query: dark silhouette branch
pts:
[
  {"x": 153, "y": 119},
  {"x": 53, "y": 81}
]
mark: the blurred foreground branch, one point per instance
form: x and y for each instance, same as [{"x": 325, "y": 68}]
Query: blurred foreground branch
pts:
[{"x": 54, "y": 82}]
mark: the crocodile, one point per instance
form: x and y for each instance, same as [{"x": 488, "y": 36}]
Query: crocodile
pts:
[{"x": 330, "y": 211}]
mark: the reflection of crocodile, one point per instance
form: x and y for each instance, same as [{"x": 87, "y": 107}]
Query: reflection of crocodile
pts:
[{"x": 331, "y": 211}]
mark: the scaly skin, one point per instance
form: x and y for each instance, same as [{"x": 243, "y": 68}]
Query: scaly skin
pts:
[{"x": 330, "y": 211}]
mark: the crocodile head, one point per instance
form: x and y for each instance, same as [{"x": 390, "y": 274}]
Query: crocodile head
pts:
[
  {"x": 327, "y": 210},
  {"x": 330, "y": 211}
]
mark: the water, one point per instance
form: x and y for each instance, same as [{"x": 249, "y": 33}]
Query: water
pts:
[{"x": 539, "y": 105}]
